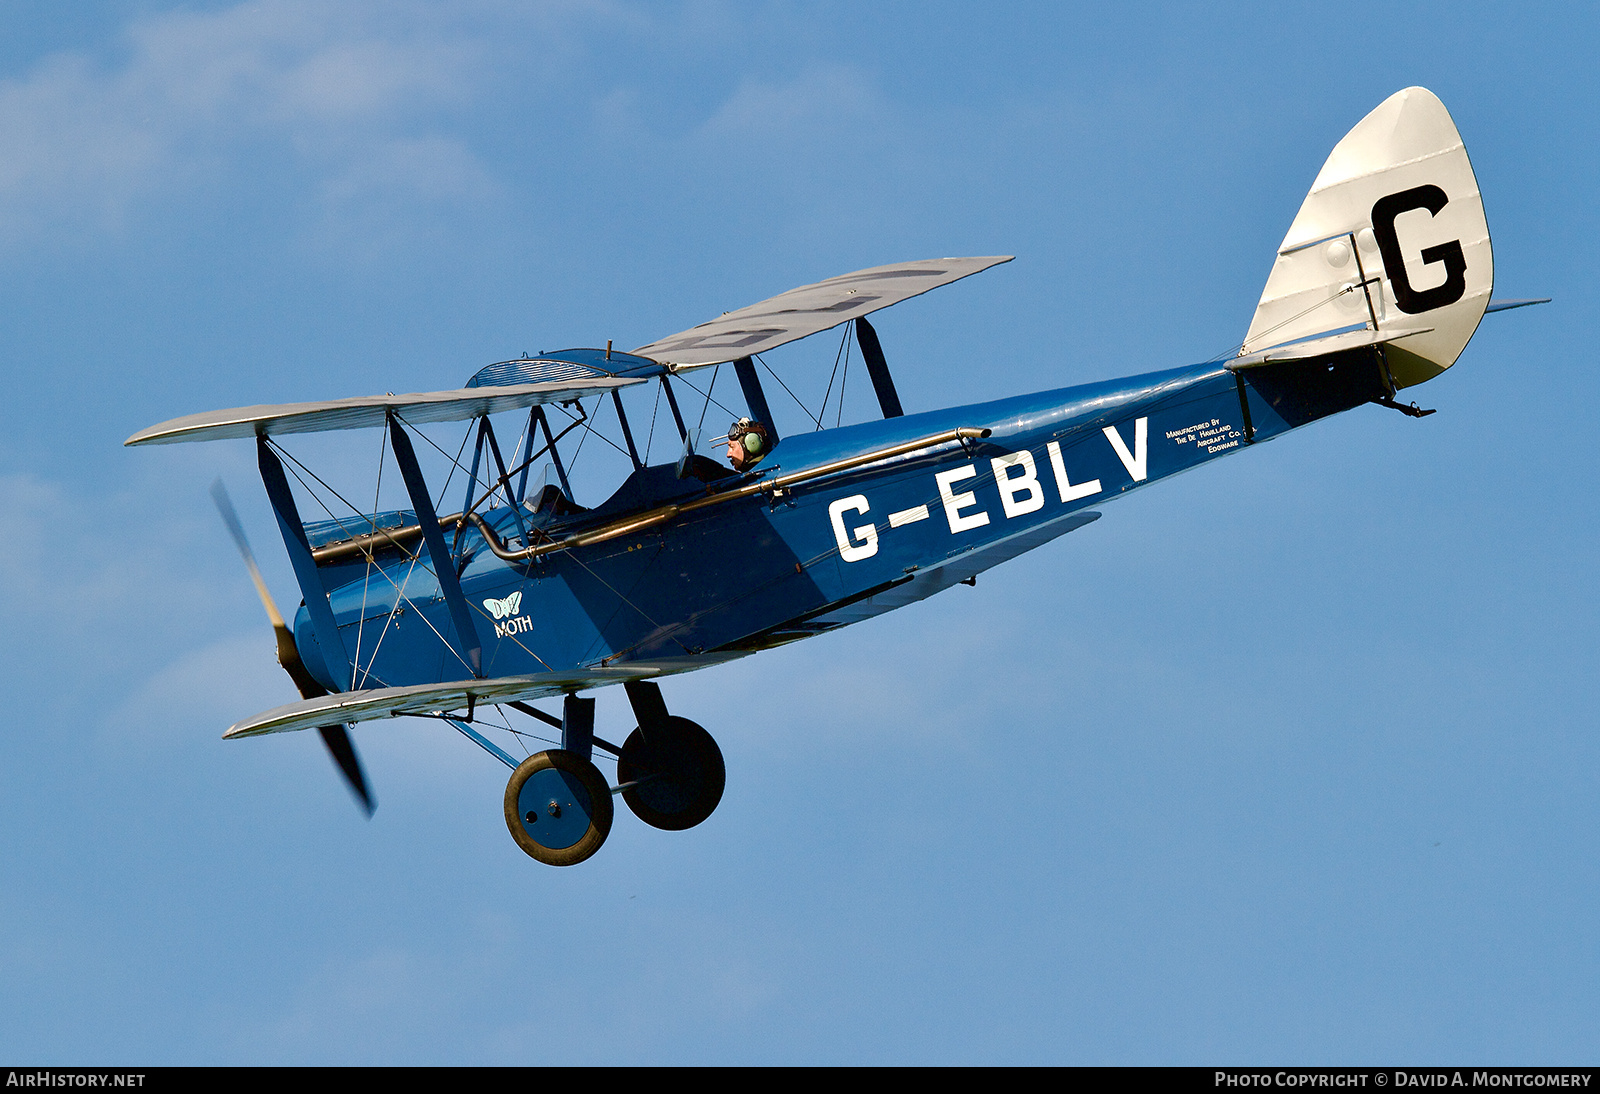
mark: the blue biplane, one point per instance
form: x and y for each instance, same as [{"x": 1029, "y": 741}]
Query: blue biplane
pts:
[{"x": 523, "y": 593}]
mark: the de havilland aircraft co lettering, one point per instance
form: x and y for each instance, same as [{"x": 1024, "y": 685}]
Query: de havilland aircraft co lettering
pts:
[{"x": 516, "y": 585}]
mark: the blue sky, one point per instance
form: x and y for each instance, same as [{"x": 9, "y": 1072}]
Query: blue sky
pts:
[{"x": 1290, "y": 760}]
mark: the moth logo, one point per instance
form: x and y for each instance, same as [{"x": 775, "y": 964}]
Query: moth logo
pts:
[
  {"x": 507, "y": 608},
  {"x": 504, "y": 609}
]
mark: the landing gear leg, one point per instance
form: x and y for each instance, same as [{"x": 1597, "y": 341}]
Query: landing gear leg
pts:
[{"x": 670, "y": 770}]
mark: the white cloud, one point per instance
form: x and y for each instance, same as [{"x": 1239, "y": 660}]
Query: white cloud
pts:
[
  {"x": 379, "y": 989},
  {"x": 366, "y": 200},
  {"x": 101, "y": 595},
  {"x": 761, "y": 119},
  {"x": 816, "y": 103},
  {"x": 34, "y": 505},
  {"x": 207, "y": 689},
  {"x": 65, "y": 554},
  {"x": 346, "y": 91}
]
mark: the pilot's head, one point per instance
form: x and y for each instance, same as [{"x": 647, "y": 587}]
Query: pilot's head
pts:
[{"x": 747, "y": 443}]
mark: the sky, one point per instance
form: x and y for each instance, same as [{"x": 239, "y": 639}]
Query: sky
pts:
[{"x": 1290, "y": 760}]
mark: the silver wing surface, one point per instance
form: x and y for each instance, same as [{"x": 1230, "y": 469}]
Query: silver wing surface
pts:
[
  {"x": 369, "y": 412},
  {"x": 808, "y": 310},
  {"x": 457, "y": 695}
]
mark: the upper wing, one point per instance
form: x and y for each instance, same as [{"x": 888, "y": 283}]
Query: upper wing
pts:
[
  {"x": 370, "y": 411},
  {"x": 361, "y": 706},
  {"x": 809, "y": 309}
]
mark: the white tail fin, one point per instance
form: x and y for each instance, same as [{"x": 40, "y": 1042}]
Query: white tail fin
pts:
[{"x": 1391, "y": 236}]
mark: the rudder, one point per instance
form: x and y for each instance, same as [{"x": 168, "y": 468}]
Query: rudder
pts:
[{"x": 1392, "y": 237}]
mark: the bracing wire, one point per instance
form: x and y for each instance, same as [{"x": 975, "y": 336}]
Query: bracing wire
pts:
[
  {"x": 843, "y": 342},
  {"x": 842, "y": 378},
  {"x": 363, "y": 674},
  {"x": 792, "y": 395},
  {"x": 455, "y": 461},
  {"x": 348, "y": 503},
  {"x": 588, "y": 429},
  {"x": 1233, "y": 349},
  {"x": 712, "y": 386},
  {"x": 366, "y": 576},
  {"x": 399, "y": 588},
  {"x": 655, "y": 408}
]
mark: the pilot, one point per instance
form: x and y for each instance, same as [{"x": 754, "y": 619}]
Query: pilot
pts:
[{"x": 747, "y": 443}]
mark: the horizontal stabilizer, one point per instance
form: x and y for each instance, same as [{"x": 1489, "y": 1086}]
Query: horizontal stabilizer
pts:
[
  {"x": 1321, "y": 347},
  {"x": 809, "y": 310},
  {"x": 1507, "y": 305},
  {"x": 369, "y": 412},
  {"x": 458, "y": 695}
]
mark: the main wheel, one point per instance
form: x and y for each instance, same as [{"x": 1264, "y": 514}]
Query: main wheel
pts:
[
  {"x": 558, "y": 807},
  {"x": 677, "y": 774}
]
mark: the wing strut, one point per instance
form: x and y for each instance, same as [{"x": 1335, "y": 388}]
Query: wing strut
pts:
[
  {"x": 335, "y": 658},
  {"x": 878, "y": 369},
  {"x": 555, "y": 454},
  {"x": 467, "y": 506},
  {"x": 755, "y": 398},
  {"x": 483, "y": 742},
  {"x": 486, "y": 433},
  {"x": 672, "y": 402},
  {"x": 336, "y": 736},
  {"x": 627, "y": 434},
  {"x": 505, "y": 479},
  {"x": 444, "y": 567}
]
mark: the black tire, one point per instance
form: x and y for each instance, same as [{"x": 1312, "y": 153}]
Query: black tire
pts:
[
  {"x": 678, "y": 771},
  {"x": 573, "y": 803}
]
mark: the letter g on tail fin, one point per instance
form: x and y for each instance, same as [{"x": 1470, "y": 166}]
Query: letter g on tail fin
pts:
[{"x": 1392, "y": 235}]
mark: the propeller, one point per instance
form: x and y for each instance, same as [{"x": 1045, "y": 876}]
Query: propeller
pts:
[{"x": 336, "y": 737}]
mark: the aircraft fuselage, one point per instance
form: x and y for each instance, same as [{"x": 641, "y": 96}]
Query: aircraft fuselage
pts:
[{"x": 768, "y": 569}]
